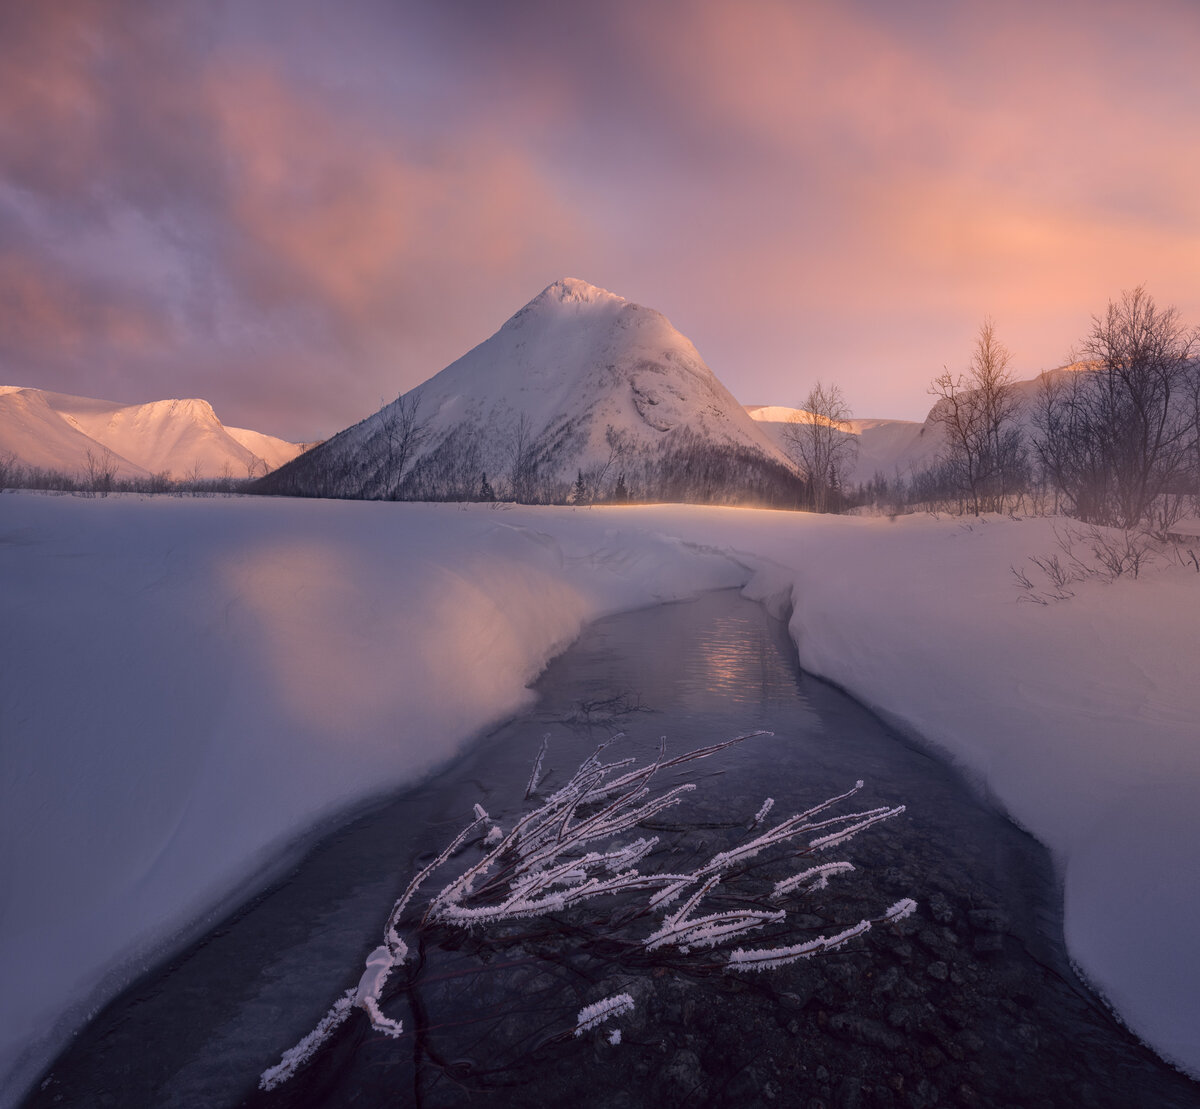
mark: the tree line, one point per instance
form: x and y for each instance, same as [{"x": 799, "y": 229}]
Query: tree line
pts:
[
  {"x": 393, "y": 455},
  {"x": 99, "y": 476},
  {"x": 1113, "y": 439}
]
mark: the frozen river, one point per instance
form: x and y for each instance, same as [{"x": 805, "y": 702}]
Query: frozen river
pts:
[{"x": 970, "y": 1002}]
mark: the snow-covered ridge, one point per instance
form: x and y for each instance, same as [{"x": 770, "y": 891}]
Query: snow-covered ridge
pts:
[
  {"x": 887, "y": 447},
  {"x": 902, "y": 448},
  {"x": 181, "y": 437}
]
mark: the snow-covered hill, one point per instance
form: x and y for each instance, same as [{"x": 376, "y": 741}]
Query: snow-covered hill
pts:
[
  {"x": 183, "y": 438},
  {"x": 578, "y": 381},
  {"x": 900, "y": 448},
  {"x": 887, "y": 447}
]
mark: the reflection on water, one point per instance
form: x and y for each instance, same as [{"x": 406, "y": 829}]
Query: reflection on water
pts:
[{"x": 971, "y": 1003}]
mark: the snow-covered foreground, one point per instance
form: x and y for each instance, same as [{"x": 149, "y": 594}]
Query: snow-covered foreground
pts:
[{"x": 186, "y": 685}]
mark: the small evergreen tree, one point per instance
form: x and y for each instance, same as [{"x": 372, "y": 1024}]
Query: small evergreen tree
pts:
[
  {"x": 578, "y": 491},
  {"x": 486, "y": 492},
  {"x": 621, "y": 493}
]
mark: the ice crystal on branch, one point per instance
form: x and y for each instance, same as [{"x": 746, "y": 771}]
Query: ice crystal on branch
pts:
[
  {"x": 591, "y": 1016},
  {"x": 571, "y": 850}
]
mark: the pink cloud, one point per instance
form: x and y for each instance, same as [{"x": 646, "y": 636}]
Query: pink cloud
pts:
[{"x": 357, "y": 222}]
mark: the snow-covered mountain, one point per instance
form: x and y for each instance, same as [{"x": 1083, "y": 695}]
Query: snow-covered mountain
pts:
[
  {"x": 182, "y": 438},
  {"x": 887, "y": 447},
  {"x": 579, "y": 381},
  {"x": 901, "y": 448}
]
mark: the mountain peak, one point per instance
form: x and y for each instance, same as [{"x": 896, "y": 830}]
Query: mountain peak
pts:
[{"x": 572, "y": 289}]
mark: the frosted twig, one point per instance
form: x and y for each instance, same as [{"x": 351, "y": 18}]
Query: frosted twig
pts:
[
  {"x": 816, "y": 878},
  {"x": 770, "y": 958},
  {"x": 537, "y": 768},
  {"x": 905, "y": 907},
  {"x": 547, "y": 864},
  {"x": 854, "y": 829},
  {"x": 294, "y": 1057},
  {"x": 591, "y": 1016}
]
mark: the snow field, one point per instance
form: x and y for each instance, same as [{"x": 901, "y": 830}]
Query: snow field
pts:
[{"x": 186, "y": 685}]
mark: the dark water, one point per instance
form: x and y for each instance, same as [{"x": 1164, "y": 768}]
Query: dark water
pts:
[{"x": 970, "y": 1002}]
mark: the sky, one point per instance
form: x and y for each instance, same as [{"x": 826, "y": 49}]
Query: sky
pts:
[{"x": 299, "y": 209}]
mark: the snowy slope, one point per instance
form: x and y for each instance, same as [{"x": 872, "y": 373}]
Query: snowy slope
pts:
[
  {"x": 272, "y": 452},
  {"x": 889, "y": 447},
  {"x": 36, "y": 435},
  {"x": 575, "y": 367},
  {"x": 901, "y": 447},
  {"x": 895, "y": 447},
  {"x": 181, "y": 437}
]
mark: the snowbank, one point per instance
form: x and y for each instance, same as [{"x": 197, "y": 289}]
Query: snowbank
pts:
[
  {"x": 186, "y": 684},
  {"x": 1081, "y": 718}
]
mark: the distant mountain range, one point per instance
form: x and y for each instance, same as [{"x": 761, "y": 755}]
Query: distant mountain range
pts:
[
  {"x": 181, "y": 438},
  {"x": 581, "y": 394}
]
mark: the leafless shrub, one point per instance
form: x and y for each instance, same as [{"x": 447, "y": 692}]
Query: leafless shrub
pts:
[
  {"x": 1029, "y": 590},
  {"x": 1119, "y": 433},
  {"x": 1106, "y": 555},
  {"x": 1059, "y": 574},
  {"x": 1123, "y": 552}
]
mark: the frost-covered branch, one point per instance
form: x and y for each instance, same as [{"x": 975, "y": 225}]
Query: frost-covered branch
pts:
[
  {"x": 569, "y": 851},
  {"x": 536, "y": 776},
  {"x": 591, "y": 1016}
]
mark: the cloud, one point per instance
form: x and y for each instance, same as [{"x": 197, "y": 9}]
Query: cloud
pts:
[
  {"x": 263, "y": 200},
  {"x": 47, "y": 311},
  {"x": 169, "y": 183},
  {"x": 347, "y": 222}
]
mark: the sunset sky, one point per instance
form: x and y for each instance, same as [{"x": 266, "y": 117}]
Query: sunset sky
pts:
[{"x": 298, "y": 209}]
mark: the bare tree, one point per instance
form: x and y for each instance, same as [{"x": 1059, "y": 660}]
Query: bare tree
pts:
[
  {"x": 404, "y": 433},
  {"x": 1119, "y": 437},
  {"x": 523, "y": 463},
  {"x": 9, "y": 469},
  {"x": 821, "y": 443},
  {"x": 594, "y": 477},
  {"x": 101, "y": 470},
  {"x": 984, "y": 455}
]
